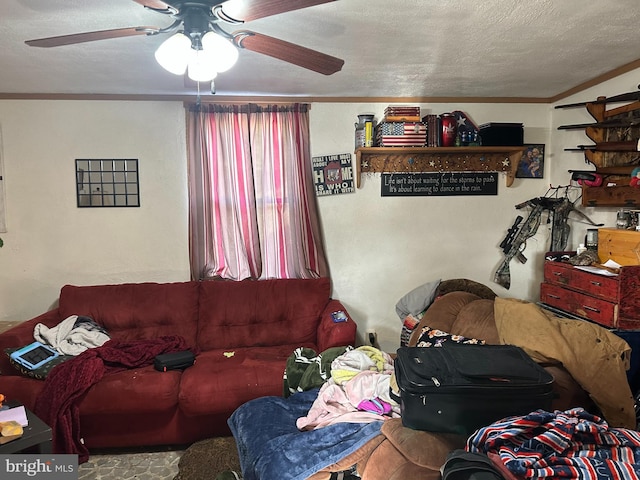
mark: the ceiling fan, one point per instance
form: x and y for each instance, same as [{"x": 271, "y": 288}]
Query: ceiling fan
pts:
[{"x": 201, "y": 47}]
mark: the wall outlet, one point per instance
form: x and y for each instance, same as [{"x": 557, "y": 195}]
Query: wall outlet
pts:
[{"x": 372, "y": 337}]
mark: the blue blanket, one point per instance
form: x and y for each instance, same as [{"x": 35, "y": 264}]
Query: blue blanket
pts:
[{"x": 270, "y": 445}]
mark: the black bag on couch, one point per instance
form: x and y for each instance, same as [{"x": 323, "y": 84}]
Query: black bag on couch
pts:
[
  {"x": 458, "y": 388},
  {"x": 174, "y": 361}
]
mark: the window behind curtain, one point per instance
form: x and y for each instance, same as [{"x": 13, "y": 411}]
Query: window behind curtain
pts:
[{"x": 253, "y": 211}]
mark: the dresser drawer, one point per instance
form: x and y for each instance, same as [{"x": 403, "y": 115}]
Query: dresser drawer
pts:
[
  {"x": 595, "y": 309},
  {"x": 568, "y": 276}
]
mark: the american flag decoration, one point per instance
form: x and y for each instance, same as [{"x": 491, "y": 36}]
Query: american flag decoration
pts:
[
  {"x": 401, "y": 134},
  {"x": 465, "y": 124}
]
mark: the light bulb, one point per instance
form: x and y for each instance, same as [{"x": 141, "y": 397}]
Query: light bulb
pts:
[
  {"x": 201, "y": 66},
  {"x": 224, "y": 53},
  {"x": 173, "y": 53}
]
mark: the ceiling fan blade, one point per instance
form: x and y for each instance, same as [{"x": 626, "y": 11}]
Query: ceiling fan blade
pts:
[
  {"x": 153, "y": 4},
  {"x": 253, "y": 9},
  {"x": 288, "y": 52},
  {"x": 91, "y": 36}
]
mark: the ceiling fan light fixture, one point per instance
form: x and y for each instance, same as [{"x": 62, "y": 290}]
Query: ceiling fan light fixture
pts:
[
  {"x": 223, "y": 53},
  {"x": 202, "y": 67},
  {"x": 173, "y": 53}
]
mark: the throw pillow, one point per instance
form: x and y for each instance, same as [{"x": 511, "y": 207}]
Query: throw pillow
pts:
[
  {"x": 39, "y": 373},
  {"x": 432, "y": 337}
]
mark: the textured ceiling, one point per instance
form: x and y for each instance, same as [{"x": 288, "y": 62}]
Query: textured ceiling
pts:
[{"x": 391, "y": 48}]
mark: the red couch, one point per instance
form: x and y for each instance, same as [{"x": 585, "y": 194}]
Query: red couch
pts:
[{"x": 244, "y": 332}]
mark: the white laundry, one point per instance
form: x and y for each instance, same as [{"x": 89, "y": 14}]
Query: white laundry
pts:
[{"x": 72, "y": 336}]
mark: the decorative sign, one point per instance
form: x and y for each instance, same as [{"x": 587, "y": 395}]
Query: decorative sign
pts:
[
  {"x": 333, "y": 174},
  {"x": 439, "y": 184}
]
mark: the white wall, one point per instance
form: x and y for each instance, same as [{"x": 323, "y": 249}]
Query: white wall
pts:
[
  {"x": 382, "y": 247},
  {"x": 51, "y": 242},
  {"x": 378, "y": 248}
]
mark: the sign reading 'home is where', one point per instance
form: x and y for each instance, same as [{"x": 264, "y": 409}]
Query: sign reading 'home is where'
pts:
[
  {"x": 333, "y": 174},
  {"x": 439, "y": 184}
]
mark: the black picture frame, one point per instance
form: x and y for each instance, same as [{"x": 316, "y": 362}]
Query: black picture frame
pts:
[
  {"x": 111, "y": 182},
  {"x": 531, "y": 165}
]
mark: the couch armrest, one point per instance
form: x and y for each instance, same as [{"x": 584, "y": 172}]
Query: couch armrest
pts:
[
  {"x": 332, "y": 334},
  {"x": 21, "y": 335}
]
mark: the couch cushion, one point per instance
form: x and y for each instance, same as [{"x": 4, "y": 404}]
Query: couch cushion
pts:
[
  {"x": 140, "y": 390},
  {"x": 442, "y": 314},
  {"x": 426, "y": 449},
  {"x": 222, "y": 380},
  {"x": 475, "y": 319},
  {"x": 135, "y": 311},
  {"x": 21, "y": 389},
  {"x": 260, "y": 312}
]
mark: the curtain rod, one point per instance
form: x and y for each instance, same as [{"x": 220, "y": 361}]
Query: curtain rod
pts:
[{"x": 246, "y": 107}]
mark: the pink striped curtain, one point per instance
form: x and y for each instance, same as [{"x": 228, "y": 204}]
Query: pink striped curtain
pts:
[{"x": 253, "y": 211}]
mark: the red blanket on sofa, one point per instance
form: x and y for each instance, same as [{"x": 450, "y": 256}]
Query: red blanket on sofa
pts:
[{"x": 58, "y": 402}]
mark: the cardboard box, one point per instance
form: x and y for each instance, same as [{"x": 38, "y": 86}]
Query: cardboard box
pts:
[{"x": 621, "y": 246}]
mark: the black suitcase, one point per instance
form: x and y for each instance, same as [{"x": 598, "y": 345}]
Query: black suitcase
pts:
[{"x": 458, "y": 388}]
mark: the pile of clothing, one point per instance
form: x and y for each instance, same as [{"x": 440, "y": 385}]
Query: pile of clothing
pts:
[{"x": 334, "y": 403}]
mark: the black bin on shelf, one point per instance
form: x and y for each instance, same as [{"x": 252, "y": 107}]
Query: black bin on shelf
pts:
[{"x": 502, "y": 134}]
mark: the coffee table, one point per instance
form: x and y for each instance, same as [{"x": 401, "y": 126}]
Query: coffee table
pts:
[{"x": 37, "y": 435}]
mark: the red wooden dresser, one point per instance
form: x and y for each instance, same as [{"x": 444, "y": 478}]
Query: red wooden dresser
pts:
[{"x": 613, "y": 302}]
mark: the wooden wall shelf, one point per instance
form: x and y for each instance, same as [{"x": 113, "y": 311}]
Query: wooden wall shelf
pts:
[
  {"x": 616, "y": 167},
  {"x": 621, "y": 194},
  {"x": 599, "y": 112},
  {"x": 438, "y": 159}
]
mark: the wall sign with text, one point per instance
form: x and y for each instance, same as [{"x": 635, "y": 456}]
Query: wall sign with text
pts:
[
  {"x": 333, "y": 174},
  {"x": 438, "y": 184}
]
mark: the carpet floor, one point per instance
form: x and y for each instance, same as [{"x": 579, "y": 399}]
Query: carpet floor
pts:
[{"x": 205, "y": 459}]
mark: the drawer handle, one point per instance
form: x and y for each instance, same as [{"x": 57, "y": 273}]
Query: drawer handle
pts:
[
  {"x": 557, "y": 274},
  {"x": 591, "y": 309},
  {"x": 597, "y": 284},
  {"x": 553, "y": 296}
]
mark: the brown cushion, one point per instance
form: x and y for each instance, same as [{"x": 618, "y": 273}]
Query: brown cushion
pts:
[
  {"x": 443, "y": 312},
  {"x": 358, "y": 457},
  {"x": 387, "y": 463},
  {"x": 475, "y": 320},
  {"x": 568, "y": 392},
  {"x": 465, "y": 285},
  {"x": 426, "y": 449}
]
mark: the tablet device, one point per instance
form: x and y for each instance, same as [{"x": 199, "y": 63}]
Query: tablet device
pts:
[{"x": 34, "y": 355}]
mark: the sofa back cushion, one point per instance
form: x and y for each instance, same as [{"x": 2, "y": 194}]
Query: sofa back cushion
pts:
[
  {"x": 260, "y": 312},
  {"x": 460, "y": 313},
  {"x": 135, "y": 311}
]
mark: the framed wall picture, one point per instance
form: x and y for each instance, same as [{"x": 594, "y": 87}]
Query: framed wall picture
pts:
[
  {"x": 531, "y": 164},
  {"x": 107, "y": 182}
]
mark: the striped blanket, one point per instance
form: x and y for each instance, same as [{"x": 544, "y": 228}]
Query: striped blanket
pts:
[{"x": 569, "y": 444}]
